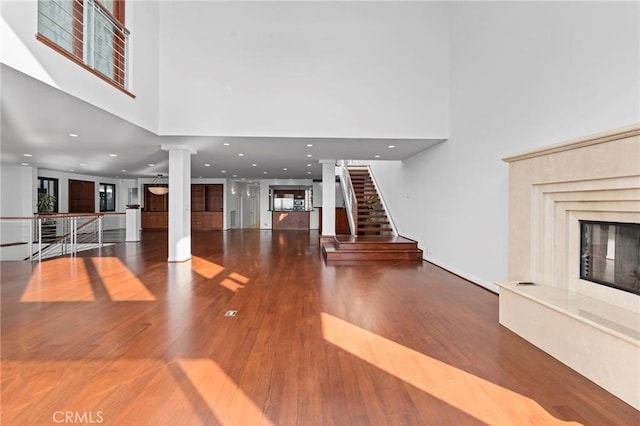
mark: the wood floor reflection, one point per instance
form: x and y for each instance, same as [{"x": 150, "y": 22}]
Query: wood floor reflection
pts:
[{"x": 140, "y": 341}]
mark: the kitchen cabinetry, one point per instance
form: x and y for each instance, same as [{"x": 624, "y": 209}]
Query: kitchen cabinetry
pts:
[{"x": 207, "y": 201}]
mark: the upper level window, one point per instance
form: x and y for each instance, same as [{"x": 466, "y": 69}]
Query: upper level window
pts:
[{"x": 90, "y": 32}]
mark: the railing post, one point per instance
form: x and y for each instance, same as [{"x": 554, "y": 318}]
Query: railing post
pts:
[
  {"x": 31, "y": 232},
  {"x": 39, "y": 239},
  {"x": 100, "y": 231}
]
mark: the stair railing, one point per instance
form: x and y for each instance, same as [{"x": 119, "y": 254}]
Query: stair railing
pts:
[
  {"x": 350, "y": 201},
  {"x": 69, "y": 230},
  {"x": 394, "y": 230}
]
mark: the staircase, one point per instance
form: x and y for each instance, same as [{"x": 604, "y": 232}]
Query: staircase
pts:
[
  {"x": 371, "y": 218},
  {"x": 376, "y": 239}
]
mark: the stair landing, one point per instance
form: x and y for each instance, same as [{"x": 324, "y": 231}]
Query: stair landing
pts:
[{"x": 371, "y": 247}]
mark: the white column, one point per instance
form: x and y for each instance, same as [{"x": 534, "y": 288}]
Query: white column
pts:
[
  {"x": 328, "y": 198},
  {"x": 179, "y": 202}
]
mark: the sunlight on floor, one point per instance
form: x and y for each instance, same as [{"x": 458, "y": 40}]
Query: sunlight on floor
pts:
[
  {"x": 46, "y": 285},
  {"x": 477, "y": 397},
  {"x": 205, "y": 268},
  {"x": 234, "y": 281},
  {"x": 120, "y": 282},
  {"x": 221, "y": 394}
]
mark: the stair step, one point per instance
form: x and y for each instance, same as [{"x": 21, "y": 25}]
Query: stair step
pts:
[{"x": 373, "y": 247}]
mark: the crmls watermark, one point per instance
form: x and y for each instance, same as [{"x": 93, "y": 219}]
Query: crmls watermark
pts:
[{"x": 80, "y": 417}]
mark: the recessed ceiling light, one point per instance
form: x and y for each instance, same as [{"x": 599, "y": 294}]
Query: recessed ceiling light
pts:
[
  {"x": 24, "y": 164},
  {"x": 254, "y": 165},
  {"x": 284, "y": 168},
  {"x": 113, "y": 155},
  {"x": 223, "y": 171},
  {"x": 309, "y": 145},
  {"x": 235, "y": 175},
  {"x": 151, "y": 165},
  {"x": 123, "y": 171},
  {"x": 244, "y": 178},
  {"x": 308, "y": 173},
  {"x": 241, "y": 155},
  {"x": 83, "y": 164},
  {"x": 207, "y": 165},
  {"x": 309, "y": 155},
  {"x": 376, "y": 156},
  {"x": 264, "y": 173},
  {"x": 309, "y": 165},
  {"x": 27, "y": 155},
  {"x": 391, "y": 146},
  {"x": 226, "y": 144},
  {"x": 73, "y": 135}
]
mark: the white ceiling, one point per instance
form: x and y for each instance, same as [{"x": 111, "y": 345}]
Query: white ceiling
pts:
[{"x": 37, "y": 119}]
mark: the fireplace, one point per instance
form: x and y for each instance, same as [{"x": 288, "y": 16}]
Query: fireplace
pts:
[
  {"x": 610, "y": 254},
  {"x": 574, "y": 231}
]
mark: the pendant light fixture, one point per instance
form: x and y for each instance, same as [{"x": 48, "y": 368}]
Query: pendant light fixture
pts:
[{"x": 159, "y": 186}]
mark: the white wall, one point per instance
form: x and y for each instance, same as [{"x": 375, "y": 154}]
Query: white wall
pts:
[
  {"x": 18, "y": 187},
  {"x": 21, "y": 50},
  {"x": 523, "y": 75},
  {"x": 350, "y": 69}
]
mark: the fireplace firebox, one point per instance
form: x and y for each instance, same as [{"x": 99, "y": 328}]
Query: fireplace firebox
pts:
[{"x": 610, "y": 254}]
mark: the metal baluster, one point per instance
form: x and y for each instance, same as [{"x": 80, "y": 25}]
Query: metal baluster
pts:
[{"x": 39, "y": 239}]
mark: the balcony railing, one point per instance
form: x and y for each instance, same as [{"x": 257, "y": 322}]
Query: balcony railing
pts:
[{"x": 86, "y": 32}]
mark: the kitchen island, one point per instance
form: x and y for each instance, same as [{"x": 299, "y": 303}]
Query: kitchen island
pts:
[{"x": 290, "y": 219}]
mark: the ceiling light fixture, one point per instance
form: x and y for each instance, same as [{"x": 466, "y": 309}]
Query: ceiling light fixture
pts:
[
  {"x": 223, "y": 171},
  {"x": 264, "y": 173},
  {"x": 376, "y": 156},
  {"x": 240, "y": 155},
  {"x": 309, "y": 145},
  {"x": 73, "y": 135},
  {"x": 27, "y": 155},
  {"x": 226, "y": 144},
  {"x": 254, "y": 165},
  {"x": 207, "y": 165},
  {"x": 83, "y": 164},
  {"x": 234, "y": 176},
  {"x": 309, "y": 165},
  {"x": 151, "y": 165},
  {"x": 123, "y": 171},
  {"x": 391, "y": 146},
  {"x": 113, "y": 155},
  {"x": 24, "y": 164},
  {"x": 159, "y": 185},
  {"x": 284, "y": 168},
  {"x": 309, "y": 155}
]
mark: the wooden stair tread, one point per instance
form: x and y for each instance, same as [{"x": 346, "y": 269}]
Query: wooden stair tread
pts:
[{"x": 374, "y": 247}]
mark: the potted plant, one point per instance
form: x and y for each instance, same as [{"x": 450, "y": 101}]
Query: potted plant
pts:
[{"x": 46, "y": 203}]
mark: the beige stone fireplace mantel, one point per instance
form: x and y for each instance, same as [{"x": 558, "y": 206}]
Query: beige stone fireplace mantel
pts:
[{"x": 592, "y": 328}]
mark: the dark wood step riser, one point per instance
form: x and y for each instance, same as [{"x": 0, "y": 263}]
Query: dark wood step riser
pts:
[
  {"x": 373, "y": 256},
  {"x": 378, "y": 246}
]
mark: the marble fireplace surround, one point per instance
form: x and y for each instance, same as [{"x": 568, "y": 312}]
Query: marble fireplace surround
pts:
[{"x": 592, "y": 328}]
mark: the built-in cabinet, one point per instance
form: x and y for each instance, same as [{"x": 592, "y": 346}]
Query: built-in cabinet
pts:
[{"x": 207, "y": 211}]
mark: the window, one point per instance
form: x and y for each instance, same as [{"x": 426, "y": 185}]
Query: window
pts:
[
  {"x": 107, "y": 197},
  {"x": 49, "y": 186},
  {"x": 90, "y": 32}
]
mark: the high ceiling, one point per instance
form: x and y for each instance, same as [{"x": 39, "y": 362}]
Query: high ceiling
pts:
[{"x": 37, "y": 120}]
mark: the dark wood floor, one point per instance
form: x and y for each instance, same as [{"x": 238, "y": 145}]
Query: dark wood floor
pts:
[{"x": 128, "y": 339}]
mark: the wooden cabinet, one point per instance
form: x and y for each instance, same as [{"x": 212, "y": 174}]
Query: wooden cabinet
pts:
[
  {"x": 155, "y": 220},
  {"x": 206, "y": 206},
  {"x": 207, "y": 201},
  {"x": 206, "y": 220}
]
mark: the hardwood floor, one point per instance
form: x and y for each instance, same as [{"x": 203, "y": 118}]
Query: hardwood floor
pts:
[{"x": 129, "y": 339}]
